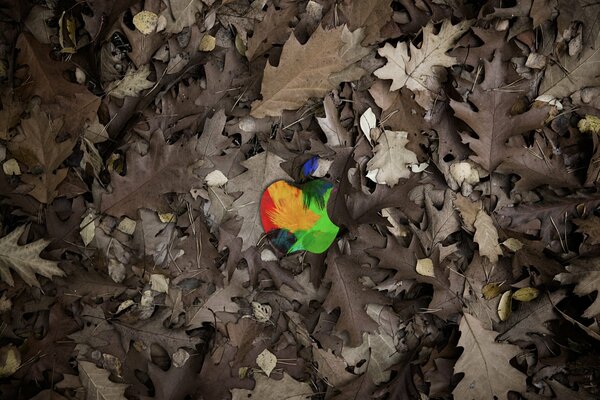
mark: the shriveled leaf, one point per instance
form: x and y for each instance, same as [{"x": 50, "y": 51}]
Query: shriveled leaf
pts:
[
  {"x": 25, "y": 260},
  {"x": 486, "y": 236}
]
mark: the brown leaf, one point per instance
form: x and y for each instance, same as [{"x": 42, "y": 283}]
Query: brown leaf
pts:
[
  {"x": 370, "y": 15},
  {"x": 493, "y": 121},
  {"x": 166, "y": 168},
  {"x": 486, "y": 236},
  {"x": 585, "y": 273},
  {"x": 306, "y": 71},
  {"x": 274, "y": 29},
  {"x": 350, "y": 296},
  {"x": 485, "y": 363},
  {"x": 97, "y": 385}
]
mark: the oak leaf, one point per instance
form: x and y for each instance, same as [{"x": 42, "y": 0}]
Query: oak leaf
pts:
[
  {"x": 132, "y": 84},
  {"x": 309, "y": 70},
  {"x": 349, "y": 295},
  {"x": 391, "y": 159},
  {"x": 485, "y": 363},
  {"x": 493, "y": 121},
  {"x": 271, "y": 389},
  {"x": 274, "y": 29},
  {"x": 585, "y": 273},
  {"x": 166, "y": 168},
  {"x": 263, "y": 169},
  {"x": 571, "y": 73},
  {"x": 413, "y": 68},
  {"x": 97, "y": 385},
  {"x": 370, "y": 15},
  {"x": 181, "y": 14},
  {"x": 25, "y": 260},
  {"x": 486, "y": 236},
  {"x": 39, "y": 150},
  {"x": 45, "y": 77},
  {"x": 590, "y": 227}
]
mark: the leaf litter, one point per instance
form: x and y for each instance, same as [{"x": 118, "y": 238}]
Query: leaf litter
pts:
[{"x": 461, "y": 138}]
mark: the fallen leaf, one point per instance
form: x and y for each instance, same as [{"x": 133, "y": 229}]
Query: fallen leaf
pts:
[
  {"x": 413, "y": 68},
  {"x": 486, "y": 236},
  {"x": 266, "y": 361},
  {"x": 391, "y": 159},
  {"x": 97, "y": 385},
  {"x": 25, "y": 260},
  {"x": 133, "y": 83},
  {"x": 306, "y": 71},
  {"x": 485, "y": 363}
]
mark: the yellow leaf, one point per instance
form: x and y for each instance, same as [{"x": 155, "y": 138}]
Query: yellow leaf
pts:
[
  {"x": 526, "y": 294},
  {"x": 505, "y": 306},
  {"x": 425, "y": 267},
  {"x": 145, "y": 22},
  {"x": 10, "y": 360},
  {"x": 207, "y": 43},
  {"x": 490, "y": 291}
]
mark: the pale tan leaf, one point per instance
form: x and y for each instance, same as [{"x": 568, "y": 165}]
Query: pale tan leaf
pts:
[
  {"x": 145, "y": 22},
  {"x": 380, "y": 352},
  {"x": 413, "y": 67},
  {"x": 505, "y": 306},
  {"x": 181, "y": 14},
  {"x": 132, "y": 84},
  {"x": 425, "y": 267},
  {"x": 97, "y": 385},
  {"x": 392, "y": 159},
  {"x": 331, "y": 367},
  {"x": 271, "y": 389},
  {"x": 304, "y": 71},
  {"x": 485, "y": 363},
  {"x": 266, "y": 361},
  {"x": 25, "y": 260},
  {"x": 486, "y": 236}
]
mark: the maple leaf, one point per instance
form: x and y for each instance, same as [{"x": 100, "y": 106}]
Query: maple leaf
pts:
[
  {"x": 263, "y": 169},
  {"x": 391, "y": 159},
  {"x": 309, "y": 70},
  {"x": 486, "y": 236},
  {"x": 349, "y": 295},
  {"x": 585, "y": 273},
  {"x": 571, "y": 73},
  {"x": 25, "y": 260},
  {"x": 97, "y": 385},
  {"x": 166, "y": 168},
  {"x": 493, "y": 121},
  {"x": 38, "y": 149},
  {"x": 413, "y": 68},
  {"x": 486, "y": 364}
]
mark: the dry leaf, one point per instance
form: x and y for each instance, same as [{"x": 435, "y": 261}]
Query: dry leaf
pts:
[
  {"x": 425, "y": 267},
  {"x": 486, "y": 364},
  {"x": 392, "y": 159},
  {"x": 413, "y": 68},
  {"x": 97, "y": 385},
  {"x": 526, "y": 294},
  {"x": 271, "y": 389},
  {"x": 505, "y": 306},
  {"x": 145, "y": 22},
  {"x": 585, "y": 273},
  {"x": 25, "y": 260},
  {"x": 306, "y": 71},
  {"x": 266, "y": 361},
  {"x": 132, "y": 84},
  {"x": 486, "y": 236}
]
